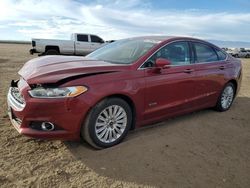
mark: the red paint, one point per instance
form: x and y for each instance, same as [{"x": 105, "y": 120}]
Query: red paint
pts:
[
  {"x": 162, "y": 63},
  {"x": 156, "y": 95}
]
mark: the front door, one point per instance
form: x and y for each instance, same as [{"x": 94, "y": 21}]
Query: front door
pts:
[{"x": 171, "y": 90}]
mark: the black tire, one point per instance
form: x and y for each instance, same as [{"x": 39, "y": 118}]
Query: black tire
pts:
[
  {"x": 219, "y": 106},
  {"x": 52, "y": 52},
  {"x": 88, "y": 130}
]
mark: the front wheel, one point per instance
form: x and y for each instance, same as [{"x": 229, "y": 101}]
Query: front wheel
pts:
[
  {"x": 107, "y": 123},
  {"x": 226, "y": 98}
]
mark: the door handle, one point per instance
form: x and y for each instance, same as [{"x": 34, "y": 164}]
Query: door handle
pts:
[
  {"x": 188, "y": 70},
  {"x": 222, "y": 67}
]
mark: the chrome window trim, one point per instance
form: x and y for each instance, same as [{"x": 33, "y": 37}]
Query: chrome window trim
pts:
[{"x": 140, "y": 67}]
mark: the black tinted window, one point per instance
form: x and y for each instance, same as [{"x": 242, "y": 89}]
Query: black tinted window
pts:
[
  {"x": 177, "y": 53},
  {"x": 221, "y": 54},
  {"x": 205, "y": 53},
  {"x": 82, "y": 38},
  {"x": 96, "y": 39}
]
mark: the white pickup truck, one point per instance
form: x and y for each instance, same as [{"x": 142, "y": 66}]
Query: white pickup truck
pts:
[{"x": 80, "y": 44}]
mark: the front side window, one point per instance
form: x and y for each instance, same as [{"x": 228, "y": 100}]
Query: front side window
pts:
[
  {"x": 177, "y": 53},
  {"x": 82, "y": 38},
  {"x": 96, "y": 39},
  {"x": 204, "y": 53}
]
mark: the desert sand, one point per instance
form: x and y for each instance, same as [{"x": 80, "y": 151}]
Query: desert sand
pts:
[{"x": 201, "y": 149}]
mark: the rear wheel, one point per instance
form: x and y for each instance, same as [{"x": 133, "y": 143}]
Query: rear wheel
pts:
[
  {"x": 51, "y": 52},
  {"x": 226, "y": 97},
  {"x": 107, "y": 123}
]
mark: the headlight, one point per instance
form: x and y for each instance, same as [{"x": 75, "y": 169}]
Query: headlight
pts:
[{"x": 63, "y": 92}]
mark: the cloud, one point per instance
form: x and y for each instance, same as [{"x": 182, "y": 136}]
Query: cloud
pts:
[{"x": 118, "y": 19}]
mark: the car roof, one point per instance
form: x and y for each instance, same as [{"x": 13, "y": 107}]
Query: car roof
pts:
[{"x": 162, "y": 38}]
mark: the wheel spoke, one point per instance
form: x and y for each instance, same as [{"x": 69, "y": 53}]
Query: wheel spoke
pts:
[
  {"x": 110, "y": 136},
  {"x": 106, "y": 135},
  {"x": 101, "y": 118},
  {"x": 121, "y": 120},
  {"x": 118, "y": 130},
  {"x": 105, "y": 113},
  {"x": 103, "y": 133},
  {"x": 110, "y": 111},
  {"x": 119, "y": 112},
  {"x": 115, "y": 110},
  {"x": 114, "y": 134},
  {"x": 100, "y": 129},
  {"x": 100, "y": 124},
  {"x": 120, "y": 125},
  {"x": 121, "y": 116}
]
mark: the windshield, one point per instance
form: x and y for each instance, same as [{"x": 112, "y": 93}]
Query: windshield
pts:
[{"x": 123, "y": 51}]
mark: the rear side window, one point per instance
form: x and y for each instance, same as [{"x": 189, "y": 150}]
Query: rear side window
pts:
[
  {"x": 204, "y": 53},
  {"x": 82, "y": 38},
  {"x": 221, "y": 54},
  {"x": 96, "y": 39}
]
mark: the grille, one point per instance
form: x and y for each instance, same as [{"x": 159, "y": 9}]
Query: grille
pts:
[{"x": 15, "y": 93}]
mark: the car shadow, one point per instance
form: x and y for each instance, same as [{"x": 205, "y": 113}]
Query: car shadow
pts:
[{"x": 197, "y": 149}]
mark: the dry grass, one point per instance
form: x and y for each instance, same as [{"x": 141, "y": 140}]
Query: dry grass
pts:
[{"x": 203, "y": 149}]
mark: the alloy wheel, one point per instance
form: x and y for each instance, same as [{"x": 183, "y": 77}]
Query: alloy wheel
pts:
[
  {"x": 111, "y": 123},
  {"x": 227, "y": 97}
]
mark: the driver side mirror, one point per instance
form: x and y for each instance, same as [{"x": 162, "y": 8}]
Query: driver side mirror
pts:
[{"x": 162, "y": 63}]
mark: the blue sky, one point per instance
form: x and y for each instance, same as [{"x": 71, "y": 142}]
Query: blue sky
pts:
[
  {"x": 237, "y": 6},
  {"x": 227, "y": 20}
]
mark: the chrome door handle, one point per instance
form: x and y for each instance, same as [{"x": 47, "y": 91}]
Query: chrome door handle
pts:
[{"x": 188, "y": 70}]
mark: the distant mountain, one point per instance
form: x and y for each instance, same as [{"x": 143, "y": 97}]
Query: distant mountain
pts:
[
  {"x": 230, "y": 44},
  {"x": 220, "y": 43}
]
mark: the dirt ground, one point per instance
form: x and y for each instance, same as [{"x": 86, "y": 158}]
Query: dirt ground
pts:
[{"x": 202, "y": 149}]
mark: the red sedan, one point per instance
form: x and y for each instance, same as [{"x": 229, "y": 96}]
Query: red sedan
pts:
[{"x": 121, "y": 86}]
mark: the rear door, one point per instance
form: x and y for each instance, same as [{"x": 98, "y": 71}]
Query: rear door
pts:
[
  {"x": 96, "y": 42},
  {"x": 210, "y": 72},
  {"x": 82, "y": 44},
  {"x": 170, "y": 91}
]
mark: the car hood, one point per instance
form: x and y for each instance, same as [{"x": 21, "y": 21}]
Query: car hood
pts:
[{"x": 51, "y": 69}]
